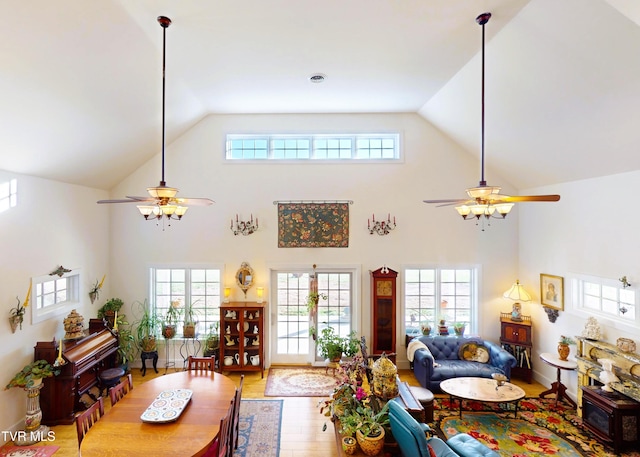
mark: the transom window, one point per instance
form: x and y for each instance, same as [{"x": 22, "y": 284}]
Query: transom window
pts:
[
  {"x": 8, "y": 194},
  {"x": 313, "y": 147},
  {"x": 54, "y": 295},
  {"x": 432, "y": 294},
  {"x": 199, "y": 287},
  {"x": 606, "y": 297}
]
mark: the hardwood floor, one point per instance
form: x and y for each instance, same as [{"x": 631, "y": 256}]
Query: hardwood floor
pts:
[{"x": 301, "y": 433}]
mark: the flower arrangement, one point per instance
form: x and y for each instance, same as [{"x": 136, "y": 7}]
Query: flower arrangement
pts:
[
  {"x": 95, "y": 290},
  {"x": 17, "y": 314},
  {"x": 32, "y": 372},
  {"x": 566, "y": 340}
]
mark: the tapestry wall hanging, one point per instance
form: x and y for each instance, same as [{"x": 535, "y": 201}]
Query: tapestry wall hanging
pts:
[{"x": 313, "y": 225}]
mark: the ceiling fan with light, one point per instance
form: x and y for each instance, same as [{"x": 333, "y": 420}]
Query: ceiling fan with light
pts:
[
  {"x": 485, "y": 200},
  {"x": 162, "y": 200}
]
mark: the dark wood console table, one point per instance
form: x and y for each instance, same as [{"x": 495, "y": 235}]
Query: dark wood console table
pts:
[{"x": 614, "y": 418}]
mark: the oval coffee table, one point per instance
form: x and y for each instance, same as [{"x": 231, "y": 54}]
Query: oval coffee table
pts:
[{"x": 482, "y": 389}]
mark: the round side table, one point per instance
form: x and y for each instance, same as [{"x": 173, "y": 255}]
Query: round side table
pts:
[{"x": 557, "y": 387}]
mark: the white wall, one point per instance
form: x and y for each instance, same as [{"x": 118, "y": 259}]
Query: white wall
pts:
[
  {"x": 434, "y": 167},
  {"x": 592, "y": 230},
  {"x": 53, "y": 224}
]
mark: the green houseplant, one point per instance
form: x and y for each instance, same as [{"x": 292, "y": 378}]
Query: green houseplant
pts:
[
  {"x": 170, "y": 320},
  {"x": 109, "y": 309},
  {"x": 126, "y": 342},
  {"x": 32, "y": 374},
  {"x": 147, "y": 328},
  {"x": 332, "y": 346},
  {"x": 190, "y": 322},
  {"x": 212, "y": 341}
]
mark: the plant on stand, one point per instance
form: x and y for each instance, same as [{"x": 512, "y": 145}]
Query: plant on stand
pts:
[
  {"x": 171, "y": 318},
  {"x": 147, "y": 328},
  {"x": 212, "y": 341},
  {"x": 190, "y": 322},
  {"x": 109, "y": 309}
]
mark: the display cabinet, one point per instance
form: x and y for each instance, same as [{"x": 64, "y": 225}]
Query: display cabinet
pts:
[
  {"x": 383, "y": 312},
  {"x": 242, "y": 336},
  {"x": 515, "y": 337}
]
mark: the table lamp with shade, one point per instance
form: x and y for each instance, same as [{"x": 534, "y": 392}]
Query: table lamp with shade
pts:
[{"x": 517, "y": 294}]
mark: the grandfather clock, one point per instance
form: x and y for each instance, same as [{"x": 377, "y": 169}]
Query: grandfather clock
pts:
[{"x": 383, "y": 311}]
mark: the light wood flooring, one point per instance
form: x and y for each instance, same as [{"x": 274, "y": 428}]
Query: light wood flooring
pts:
[{"x": 301, "y": 433}]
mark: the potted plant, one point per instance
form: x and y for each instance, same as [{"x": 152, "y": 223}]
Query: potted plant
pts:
[
  {"x": 94, "y": 293},
  {"x": 190, "y": 322},
  {"x": 563, "y": 346},
  {"x": 212, "y": 341},
  {"x": 332, "y": 346},
  {"x": 458, "y": 328},
  {"x": 16, "y": 315},
  {"x": 32, "y": 374},
  {"x": 170, "y": 320},
  {"x": 313, "y": 298},
  {"x": 109, "y": 309},
  {"x": 126, "y": 343},
  {"x": 369, "y": 426},
  {"x": 147, "y": 328}
]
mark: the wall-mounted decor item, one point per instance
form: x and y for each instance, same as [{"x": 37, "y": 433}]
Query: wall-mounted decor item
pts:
[
  {"x": 381, "y": 227},
  {"x": 313, "y": 224},
  {"x": 244, "y": 227},
  {"x": 16, "y": 314},
  {"x": 94, "y": 293},
  {"x": 552, "y": 291},
  {"x": 60, "y": 271},
  {"x": 244, "y": 278}
]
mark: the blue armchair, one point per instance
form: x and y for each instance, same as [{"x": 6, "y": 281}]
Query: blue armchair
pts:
[{"x": 410, "y": 435}]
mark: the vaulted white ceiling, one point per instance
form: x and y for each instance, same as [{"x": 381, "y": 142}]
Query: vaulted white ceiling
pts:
[{"x": 80, "y": 81}]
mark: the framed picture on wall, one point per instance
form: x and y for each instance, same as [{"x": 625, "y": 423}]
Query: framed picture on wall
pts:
[{"x": 552, "y": 291}]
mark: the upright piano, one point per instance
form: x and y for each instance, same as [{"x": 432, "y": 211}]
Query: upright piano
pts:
[{"x": 85, "y": 359}]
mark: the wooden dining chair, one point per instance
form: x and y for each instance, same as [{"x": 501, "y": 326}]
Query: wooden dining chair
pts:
[
  {"x": 86, "y": 419},
  {"x": 235, "y": 423},
  {"x": 121, "y": 389},
  {"x": 221, "y": 446},
  {"x": 201, "y": 363}
]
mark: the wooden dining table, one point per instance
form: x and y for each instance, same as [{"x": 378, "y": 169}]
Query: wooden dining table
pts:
[{"x": 121, "y": 431}]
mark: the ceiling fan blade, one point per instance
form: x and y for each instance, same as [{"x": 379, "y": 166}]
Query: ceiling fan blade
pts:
[
  {"x": 532, "y": 198},
  {"x": 448, "y": 200},
  {"x": 193, "y": 201},
  {"x": 141, "y": 199},
  {"x": 124, "y": 200}
]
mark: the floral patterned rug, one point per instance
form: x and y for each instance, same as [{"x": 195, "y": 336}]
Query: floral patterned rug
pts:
[
  {"x": 27, "y": 451},
  {"x": 542, "y": 428},
  {"x": 300, "y": 382},
  {"x": 259, "y": 428}
]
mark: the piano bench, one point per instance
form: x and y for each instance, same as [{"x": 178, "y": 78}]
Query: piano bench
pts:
[
  {"x": 109, "y": 378},
  {"x": 425, "y": 398}
]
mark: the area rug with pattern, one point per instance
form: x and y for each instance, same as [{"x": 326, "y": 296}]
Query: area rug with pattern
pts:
[
  {"x": 300, "y": 382},
  {"x": 27, "y": 451},
  {"x": 541, "y": 428},
  {"x": 259, "y": 428}
]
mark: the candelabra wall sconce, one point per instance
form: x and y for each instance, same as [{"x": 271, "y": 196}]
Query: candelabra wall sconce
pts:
[
  {"x": 381, "y": 227},
  {"x": 244, "y": 227}
]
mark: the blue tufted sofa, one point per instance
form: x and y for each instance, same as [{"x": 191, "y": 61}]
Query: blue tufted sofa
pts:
[{"x": 439, "y": 360}]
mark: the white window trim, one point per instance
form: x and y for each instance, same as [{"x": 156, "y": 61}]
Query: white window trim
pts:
[
  {"x": 475, "y": 284},
  {"x": 75, "y": 278},
  {"x": 573, "y": 304}
]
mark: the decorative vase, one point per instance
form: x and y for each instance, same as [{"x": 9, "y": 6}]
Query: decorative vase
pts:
[
  {"x": 563, "y": 351},
  {"x": 189, "y": 330},
  {"x": 426, "y": 329},
  {"x": 371, "y": 445},
  {"x": 93, "y": 296},
  {"x": 349, "y": 445},
  {"x": 459, "y": 330},
  {"x": 15, "y": 321}
]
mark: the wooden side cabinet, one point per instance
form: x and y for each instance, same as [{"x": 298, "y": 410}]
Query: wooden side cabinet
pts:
[
  {"x": 242, "y": 336},
  {"x": 515, "y": 337},
  {"x": 612, "y": 417},
  {"x": 383, "y": 311}
]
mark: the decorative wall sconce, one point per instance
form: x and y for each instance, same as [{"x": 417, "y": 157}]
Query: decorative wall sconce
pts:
[
  {"x": 381, "y": 227},
  {"x": 227, "y": 293},
  {"x": 552, "y": 314},
  {"x": 244, "y": 227},
  {"x": 260, "y": 292}
]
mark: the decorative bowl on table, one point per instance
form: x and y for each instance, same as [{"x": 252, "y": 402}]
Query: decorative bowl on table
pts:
[{"x": 499, "y": 378}]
